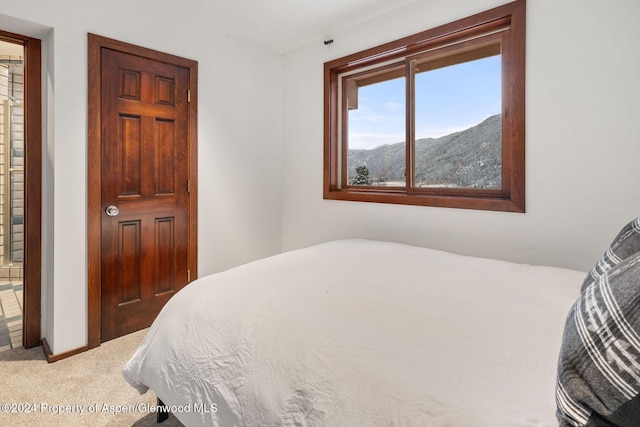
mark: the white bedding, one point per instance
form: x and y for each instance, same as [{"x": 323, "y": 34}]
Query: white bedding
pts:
[{"x": 362, "y": 333}]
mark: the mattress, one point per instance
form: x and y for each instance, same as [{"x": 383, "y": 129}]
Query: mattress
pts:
[{"x": 361, "y": 333}]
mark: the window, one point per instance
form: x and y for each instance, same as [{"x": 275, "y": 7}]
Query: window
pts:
[{"x": 434, "y": 119}]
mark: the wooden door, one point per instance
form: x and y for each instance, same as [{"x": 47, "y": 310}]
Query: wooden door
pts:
[{"x": 144, "y": 189}]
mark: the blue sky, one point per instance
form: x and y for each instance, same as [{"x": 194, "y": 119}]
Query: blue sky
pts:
[{"x": 448, "y": 100}]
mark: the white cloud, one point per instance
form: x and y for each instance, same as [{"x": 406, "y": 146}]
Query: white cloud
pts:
[{"x": 394, "y": 106}]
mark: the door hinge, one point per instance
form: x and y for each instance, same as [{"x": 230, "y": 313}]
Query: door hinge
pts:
[
  {"x": 189, "y": 186},
  {"x": 188, "y": 95},
  {"x": 188, "y": 276}
]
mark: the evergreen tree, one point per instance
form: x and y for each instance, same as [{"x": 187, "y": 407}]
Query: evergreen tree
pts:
[{"x": 362, "y": 176}]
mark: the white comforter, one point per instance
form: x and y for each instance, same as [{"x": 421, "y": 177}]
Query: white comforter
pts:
[{"x": 361, "y": 333}]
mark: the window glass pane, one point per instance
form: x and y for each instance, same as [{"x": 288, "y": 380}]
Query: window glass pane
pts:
[
  {"x": 458, "y": 122},
  {"x": 376, "y": 130}
]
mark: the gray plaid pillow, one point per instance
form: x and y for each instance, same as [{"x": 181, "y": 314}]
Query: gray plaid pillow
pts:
[
  {"x": 626, "y": 244},
  {"x": 599, "y": 365}
]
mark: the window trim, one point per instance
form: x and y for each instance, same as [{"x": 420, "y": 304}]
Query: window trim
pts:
[{"x": 509, "y": 20}]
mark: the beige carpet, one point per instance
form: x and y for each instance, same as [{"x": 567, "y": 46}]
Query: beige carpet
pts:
[{"x": 28, "y": 382}]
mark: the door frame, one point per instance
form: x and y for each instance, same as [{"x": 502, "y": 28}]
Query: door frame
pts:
[
  {"x": 94, "y": 162},
  {"x": 32, "y": 264}
]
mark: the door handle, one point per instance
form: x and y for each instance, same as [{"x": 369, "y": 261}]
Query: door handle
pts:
[{"x": 112, "y": 210}]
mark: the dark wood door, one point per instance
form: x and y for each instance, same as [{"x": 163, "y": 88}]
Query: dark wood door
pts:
[{"x": 145, "y": 189}]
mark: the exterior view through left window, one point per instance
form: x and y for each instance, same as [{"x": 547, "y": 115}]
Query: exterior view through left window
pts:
[{"x": 12, "y": 107}]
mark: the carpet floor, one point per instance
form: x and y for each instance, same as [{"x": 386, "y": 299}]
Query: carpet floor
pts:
[{"x": 83, "y": 390}]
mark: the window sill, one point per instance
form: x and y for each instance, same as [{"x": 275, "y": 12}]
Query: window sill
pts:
[{"x": 401, "y": 197}]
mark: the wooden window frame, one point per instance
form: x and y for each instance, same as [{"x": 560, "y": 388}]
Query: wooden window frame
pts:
[{"x": 506, "y": 23}]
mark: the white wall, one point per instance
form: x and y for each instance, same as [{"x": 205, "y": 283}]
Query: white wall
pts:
[
  {"x": 239, "y": 129},
  {"x": 582, "y": 146},
  {"x": 260, "y": 139}
]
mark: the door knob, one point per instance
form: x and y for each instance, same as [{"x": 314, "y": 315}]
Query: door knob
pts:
[{"x": 112, "y": 210}]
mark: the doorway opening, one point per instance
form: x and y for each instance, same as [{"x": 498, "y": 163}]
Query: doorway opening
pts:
[
  {"x": 12, "y": 103},
  {"x": 20, "y": 190}
]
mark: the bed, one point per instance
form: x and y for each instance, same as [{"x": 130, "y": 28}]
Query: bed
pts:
[
  {"x": 370, "y": 333},
  {"x": 362, "y": 333}
]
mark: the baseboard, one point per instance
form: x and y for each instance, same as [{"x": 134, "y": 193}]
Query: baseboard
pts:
[{"x": 55, "y": 357}]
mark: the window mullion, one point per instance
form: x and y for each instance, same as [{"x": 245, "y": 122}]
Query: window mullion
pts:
[{"x": 410, "y": 127}]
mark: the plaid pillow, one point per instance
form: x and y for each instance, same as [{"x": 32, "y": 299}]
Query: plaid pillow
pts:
[
  {"x": 626, "y": 244},
  {"x": 599, "y": 365}
]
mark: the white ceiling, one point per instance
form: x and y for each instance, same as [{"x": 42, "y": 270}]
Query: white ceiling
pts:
[{"x": 284, "y": 25}]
